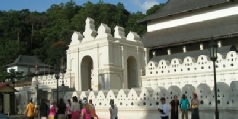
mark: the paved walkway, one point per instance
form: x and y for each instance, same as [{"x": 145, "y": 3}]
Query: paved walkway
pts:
[{"x": 17, "y": 117}]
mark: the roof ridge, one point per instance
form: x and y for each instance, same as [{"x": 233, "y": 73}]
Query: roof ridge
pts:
[
  {"x": 17, "y": 59},
  {"x": 174, "y": 7},
  {"x": 28, "y": 60}
]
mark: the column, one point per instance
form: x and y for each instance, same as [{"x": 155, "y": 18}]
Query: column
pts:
[
  {"x": 219, "y": 44},
  {"x": 154, "y": 53},
  {"x": 201, "y": 46},
  {"x": 184, "y": 49},
  {"x": 124, "y": 67},
  {"x": 169, "y": 51},
  {"x": 77, "y": 82}
]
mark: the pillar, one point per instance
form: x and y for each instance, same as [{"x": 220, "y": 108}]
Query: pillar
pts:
[
  {"x": 201, "y": 46},
  {"x": 169, "y": 51}
]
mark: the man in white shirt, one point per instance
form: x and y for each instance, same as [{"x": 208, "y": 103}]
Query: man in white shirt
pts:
[{"x": 165, "y": 109}]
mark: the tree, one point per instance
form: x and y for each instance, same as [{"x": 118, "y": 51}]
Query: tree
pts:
[
  {"x": 9, "y": 51},
  {"x": 12, "y": 76},
  {"x": 56, "y": 51},
  {"x": 154, "y": 9},
  {"x": 132, "y": 24},
  {"x": 2, "y": 77},
  {"x": 48, "y": 34}
]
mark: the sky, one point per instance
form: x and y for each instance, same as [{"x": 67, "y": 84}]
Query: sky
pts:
[{"x": 43, "y": 5}]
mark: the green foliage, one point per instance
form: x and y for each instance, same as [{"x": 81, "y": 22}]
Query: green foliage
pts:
[
  {"x": 132, "y": 24},
  {"x": 9, "y": 50},
  {"x": 2, "y": 77},
  {"x": 154, "y": 9},
  {"x": 12, "y": 76},
  {"x": 47, "y": 34}
]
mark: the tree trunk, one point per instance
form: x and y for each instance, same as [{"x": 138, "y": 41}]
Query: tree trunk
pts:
[{"x": 32, "y": 34}]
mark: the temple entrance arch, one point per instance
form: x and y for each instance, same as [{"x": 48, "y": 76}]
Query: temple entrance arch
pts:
[
  {"x": 86, "y": 73},
  {"x": 132, "y": 73}
]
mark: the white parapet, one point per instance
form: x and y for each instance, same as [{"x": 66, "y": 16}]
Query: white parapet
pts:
[
  {"x": 191, "y": 71},
  {"x": 142, "y": 103}
]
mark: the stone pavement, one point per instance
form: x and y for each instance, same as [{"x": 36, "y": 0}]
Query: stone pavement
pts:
[{"x": 18, "y": 117}]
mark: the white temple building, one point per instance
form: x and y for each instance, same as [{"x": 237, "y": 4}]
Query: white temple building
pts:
[
  {"x": 175, "y": 49},
  {"x": 172, "y": 58},
  {"x": 178, "y": 39}
]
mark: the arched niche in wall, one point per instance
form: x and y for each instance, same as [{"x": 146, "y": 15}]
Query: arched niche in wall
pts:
[
  {"x": 86, "y": 73},
  {"x": 132, "y": 72}
]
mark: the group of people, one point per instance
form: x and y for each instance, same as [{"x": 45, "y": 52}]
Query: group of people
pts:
[
  {"x": 84, "y": 109},
  {"x": 81, "y": 109},
  {"x": 184, "y": 105},
  {"x": 78, "y": 109}
]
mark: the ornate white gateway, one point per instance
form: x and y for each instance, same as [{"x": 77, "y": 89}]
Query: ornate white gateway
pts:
[{"x": 99, "y": 61}]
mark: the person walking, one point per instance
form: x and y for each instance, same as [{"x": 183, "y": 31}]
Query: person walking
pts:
[
  {"x": 80, "y": 105},
  {"x": 75, "y": 110},
  {"x": 85, "y": 112},
  {"x": 52, "y": 111},
  {"x": 184, "y": 106},
  {"x": 68, "y": 107},
  {"x": 194, "y": 107},
  {"x": 113, "y": 110},
  {"x": 174, "y": 107},
  {"x": 30, "y": 110},
  {"x": 165, "y": 109},
  {"x": 92, "y": 110},
  {"x": 44, "y": 109},
  {"x": 61, "y": 109}
]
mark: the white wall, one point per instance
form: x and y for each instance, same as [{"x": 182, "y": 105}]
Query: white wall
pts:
[
  {"x": 143, "y": 103},
  {"x": 191, "y": 71},
  {"x": 48, "y": 82},
  {"x": 25, "y": 69}
]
